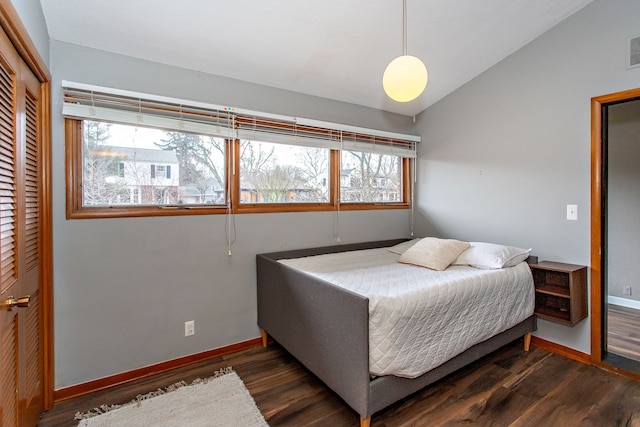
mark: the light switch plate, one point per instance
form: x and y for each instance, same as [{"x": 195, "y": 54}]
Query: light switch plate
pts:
[{"x": 572, "y": 212}]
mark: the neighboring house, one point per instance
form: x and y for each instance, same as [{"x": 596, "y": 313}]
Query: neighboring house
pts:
[
  {"x": 138, "y": 175},
  {"x": 379, "y": 187},
  {"x": 253, "y": 195},
  {"x": 191, "y": 194}
]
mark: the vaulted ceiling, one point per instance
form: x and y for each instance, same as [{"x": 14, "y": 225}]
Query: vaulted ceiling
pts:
[{"x": 336, "y": 49}]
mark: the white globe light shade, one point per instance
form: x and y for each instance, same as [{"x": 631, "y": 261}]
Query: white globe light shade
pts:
[{"x": 405, "y": 78}]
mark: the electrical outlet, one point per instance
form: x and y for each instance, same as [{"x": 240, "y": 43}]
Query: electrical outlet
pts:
[
  {"x": 189, "y": 328},
  {"x": 626, "y": 290}
]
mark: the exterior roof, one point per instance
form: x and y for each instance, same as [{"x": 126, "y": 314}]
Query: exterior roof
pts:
[{"x": 142, "y": 154}]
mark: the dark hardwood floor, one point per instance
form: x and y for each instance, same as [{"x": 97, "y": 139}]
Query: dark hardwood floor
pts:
[
  {"x": 623, "y": 331},
  {"x": 510, "y": 387}
]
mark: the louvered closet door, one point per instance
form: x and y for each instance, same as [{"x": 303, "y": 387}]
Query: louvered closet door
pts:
[
  {"x": 9, "y": 286},
  {"x": 21, "y": 387},
  {"x": 30, "y": 389}
]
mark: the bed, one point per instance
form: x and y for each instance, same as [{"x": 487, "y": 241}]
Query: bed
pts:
[{"x": 328, "y": 318}]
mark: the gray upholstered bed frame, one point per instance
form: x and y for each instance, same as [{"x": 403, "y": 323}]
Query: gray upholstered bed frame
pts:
[{"x": 326, "y": 328}]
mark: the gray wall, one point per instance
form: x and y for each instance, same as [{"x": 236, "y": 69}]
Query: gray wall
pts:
[
  {"x": 502, "y": 156},
  {"x": 623, "y": 199},
  {"x": 125, "y": 287},
  {"x": 30, "y": 12}
]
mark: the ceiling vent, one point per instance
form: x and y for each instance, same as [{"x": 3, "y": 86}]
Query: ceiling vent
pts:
[{"x": 633, "y": 52}]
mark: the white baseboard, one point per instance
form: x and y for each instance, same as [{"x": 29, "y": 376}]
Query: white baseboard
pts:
[{"x": 624, "y": 302}]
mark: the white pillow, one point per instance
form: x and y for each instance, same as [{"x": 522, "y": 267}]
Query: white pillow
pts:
[
  {"x": 433, "y": 253},
  {"x": 491, "y": 255},
  {"x": 400, "y": 248}
]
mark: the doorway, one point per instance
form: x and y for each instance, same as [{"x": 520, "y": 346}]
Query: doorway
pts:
[
  {"x": 622, "y": 229},
  {"x": 612, "y": 306}
]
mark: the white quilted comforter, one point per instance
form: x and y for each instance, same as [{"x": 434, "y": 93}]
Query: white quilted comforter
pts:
[{"x": 420, "y": 318}]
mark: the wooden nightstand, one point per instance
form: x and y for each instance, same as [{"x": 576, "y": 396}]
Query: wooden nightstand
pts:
[{"x": 561, "y": 291}]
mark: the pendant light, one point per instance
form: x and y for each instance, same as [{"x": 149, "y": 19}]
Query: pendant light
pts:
[{"x": 405, "y": 77}]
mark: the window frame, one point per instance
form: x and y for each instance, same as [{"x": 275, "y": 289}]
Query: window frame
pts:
[
  {"x": 74, "y": 176},
  {"x": 405, "y": 203},
  {"x": 76, "y": 210},
  {"x": 280, "y": 207}
]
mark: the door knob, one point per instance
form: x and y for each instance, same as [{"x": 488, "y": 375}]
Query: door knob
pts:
[{"x": 20, "y": 302}]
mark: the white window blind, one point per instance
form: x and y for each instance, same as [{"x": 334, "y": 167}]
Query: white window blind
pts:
[
  {"x": 378, "y": 145},
  {"x": 119, "y": 106},
  {"x": 286, "y": 132},
  {"x": 132, "y": 108},
  {"x": 354, "y": 138}
]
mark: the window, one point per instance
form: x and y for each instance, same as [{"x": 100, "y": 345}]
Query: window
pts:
[
  {"x": 161, "y": 171},
  {"x": 370, "y": 178},
  {"x": 133, "y": 154},
  {"x": 127, "y": 165},
  {"x": 278, "y": 173}
]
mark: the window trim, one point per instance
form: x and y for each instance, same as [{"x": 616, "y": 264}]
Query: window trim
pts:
[
  {"x": 280, "y": 207},
  {"x": 74, "y": 173},
  {"x": 75, "y": 209},
  {"x": 405, "y": 203}
]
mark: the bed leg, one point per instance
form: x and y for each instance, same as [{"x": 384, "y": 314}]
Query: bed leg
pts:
[
  {"x": 365, "y": 422},
  {"x": 264, "y": 337},
  {"x": 527, "y": 341}
]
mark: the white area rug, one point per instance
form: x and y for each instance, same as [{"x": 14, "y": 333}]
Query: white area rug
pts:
[{"x": 222, "y": 400}]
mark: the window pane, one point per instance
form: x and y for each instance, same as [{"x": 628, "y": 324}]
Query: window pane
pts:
[
  {"x": 370, "y": 178},
  {"x": 278, "y": 173},
  {"x": 127, "y": 165}
]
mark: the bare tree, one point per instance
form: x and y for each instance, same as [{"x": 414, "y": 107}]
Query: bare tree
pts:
[
  {"x": 101, "y": 167},
  {"x": 278, "y": 184},
  {"x": 315, "y": 166},
  {"x": 194, "y": 153},
  {"x": 214, "y": 161},
  {"x": 253, "y": 159},
  {"x": 374, "y": 173}
]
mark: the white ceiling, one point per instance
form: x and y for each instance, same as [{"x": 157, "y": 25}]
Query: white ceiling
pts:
[{"x": 336, "y": 49}]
